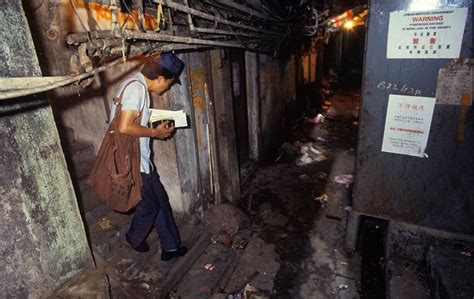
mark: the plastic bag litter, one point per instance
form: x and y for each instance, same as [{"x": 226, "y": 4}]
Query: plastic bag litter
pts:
[
  {"x": 310, "y": 154},
  {"x": 312, "y": 150},
  {"x": 345, "y": 179},
  {"x": 305, "y": 159}
]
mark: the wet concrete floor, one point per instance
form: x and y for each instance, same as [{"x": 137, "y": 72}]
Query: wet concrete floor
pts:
[{"x": 296, "y": 205}]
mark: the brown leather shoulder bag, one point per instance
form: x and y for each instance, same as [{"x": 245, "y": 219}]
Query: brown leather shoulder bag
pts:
[{"x": 115, "y": 175}]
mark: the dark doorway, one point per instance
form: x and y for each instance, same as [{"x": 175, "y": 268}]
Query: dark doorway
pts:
[{"x": 239, "y": 100}]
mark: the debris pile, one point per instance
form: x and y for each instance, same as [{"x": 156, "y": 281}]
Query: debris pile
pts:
[{"x": 304, "y": 153}]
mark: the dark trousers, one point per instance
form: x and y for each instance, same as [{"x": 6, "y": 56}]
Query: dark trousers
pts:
[{"x": 154, "y": 210}]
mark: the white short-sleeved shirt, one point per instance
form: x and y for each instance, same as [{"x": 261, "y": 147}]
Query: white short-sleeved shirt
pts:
[{"x": 136, "y": 97}]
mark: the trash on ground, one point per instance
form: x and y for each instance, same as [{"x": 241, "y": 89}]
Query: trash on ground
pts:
[
  {"x": 253, "y": 292},
  {"x": 224, "y": 238},
  {"x": 345, "y": 263},
  {"x": 466, "y": 253},
  {"x": 323, "y": 199},
  {"x": 315, "y": 120},
  {"x": 310, "y": 154},
  {"x": 105, "y": 223},
  {"x": 343, "y": 286},
  {"x": 241, "y": 239},
  {"x": 305, "y": 159},
  {"x": 345, "y": 179},
  {"x": 209, "y": 267}
]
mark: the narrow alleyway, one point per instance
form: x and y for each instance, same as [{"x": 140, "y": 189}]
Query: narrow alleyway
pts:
[
  {"x": 291, "y": 246},
  {"x": 297, "y": 207},
  {"x": 279, "y": 149}
]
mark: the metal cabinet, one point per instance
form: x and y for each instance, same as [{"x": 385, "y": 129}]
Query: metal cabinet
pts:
[{"x": 437, "y": 191}]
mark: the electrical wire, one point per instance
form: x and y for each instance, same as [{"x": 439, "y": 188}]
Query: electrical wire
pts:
[
  {"x": 138, "y": 22},
  {"x": 77, "y": 15}
]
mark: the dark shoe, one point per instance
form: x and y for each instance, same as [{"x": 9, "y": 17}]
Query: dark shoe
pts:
[
  {"x": 168, "y": 255},
  {"x": 143, "y": 247}
]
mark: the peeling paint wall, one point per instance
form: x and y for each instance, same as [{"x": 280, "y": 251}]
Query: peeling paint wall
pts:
[
  {"x": 73, "y": 104},
  {"x": 43, "y": 241}
]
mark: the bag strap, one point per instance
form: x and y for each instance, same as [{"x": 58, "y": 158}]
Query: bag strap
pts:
[{"x": 118, "y": 100}]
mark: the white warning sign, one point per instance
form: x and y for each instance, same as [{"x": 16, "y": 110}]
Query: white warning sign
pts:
[
  {"x": 426, "y": 34},
  {"x": 407, "y": 125}
]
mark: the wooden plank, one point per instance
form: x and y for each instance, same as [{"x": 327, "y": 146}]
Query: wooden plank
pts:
[
  {"x": 185, "y": 141},
  {"x": 253, "y": 107},
  {"x": 198, "y": 78},
  {"x": 201, "y": 282},
  {"x": 183, "y": 265},
  {"x": 212, "y": 135},
  {"x": 229, "y": 176}
]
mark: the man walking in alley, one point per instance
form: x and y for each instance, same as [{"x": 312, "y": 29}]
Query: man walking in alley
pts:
[{"x": 157, "y": 75}]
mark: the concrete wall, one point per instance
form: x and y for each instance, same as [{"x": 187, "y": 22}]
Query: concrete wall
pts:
[{"x": 43, "y": 242}]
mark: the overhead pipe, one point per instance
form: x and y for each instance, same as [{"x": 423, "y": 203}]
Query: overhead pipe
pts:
[
  {"x": 242, "y": 8},
  {"x": 228, "y": 32},
  {"x": 49, "y": 86},
  {"x": 129, "y": 34},
  {"x": 195, "y": 12}
]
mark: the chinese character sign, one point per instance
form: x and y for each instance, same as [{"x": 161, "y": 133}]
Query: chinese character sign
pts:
[
  {"x": 426, "y": 34},
  {"x": 407, "y": 125}
]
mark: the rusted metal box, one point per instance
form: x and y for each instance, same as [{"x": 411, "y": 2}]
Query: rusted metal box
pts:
[{"x": 436, "y": 190}]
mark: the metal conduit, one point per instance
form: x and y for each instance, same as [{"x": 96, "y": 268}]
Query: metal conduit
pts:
[{"x": 203, "y": 15}]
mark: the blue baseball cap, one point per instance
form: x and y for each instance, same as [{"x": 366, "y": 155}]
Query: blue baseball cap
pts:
[{"x": 172, "y": 63}]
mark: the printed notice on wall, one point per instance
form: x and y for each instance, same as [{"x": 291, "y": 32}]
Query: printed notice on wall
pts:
[
  {"x": 407, "y": 125},
  {"x": 426, "y": 34},
  {"x": 454, "y": 81}
]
